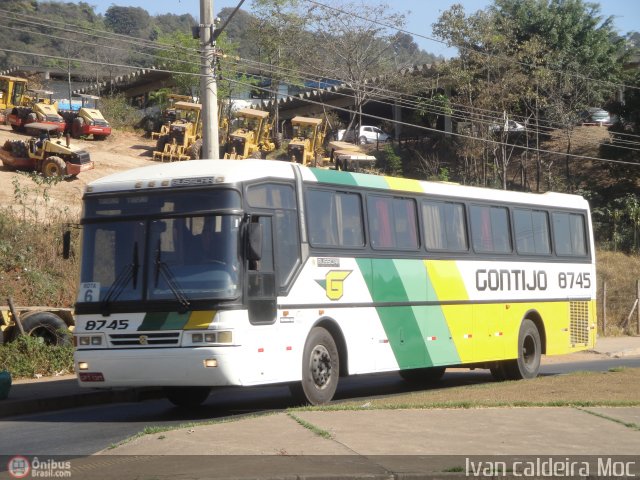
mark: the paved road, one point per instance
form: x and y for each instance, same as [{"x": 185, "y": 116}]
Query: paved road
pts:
[{"x": 83, "y": 431}]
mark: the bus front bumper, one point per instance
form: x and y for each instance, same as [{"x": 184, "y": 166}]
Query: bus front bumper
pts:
[{"x": 171, "y": 367}]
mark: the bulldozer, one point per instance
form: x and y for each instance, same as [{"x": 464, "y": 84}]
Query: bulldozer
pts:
[
  {"x": 40, "y": 108},
  {"x": 12, "y": 91},
  {"x": 182, "y": 138},
  {"x": 88, "y": 120},
  {"x": 159, "y": 124},
  {"x": 308, "y": 136},
  {"x": 251, "y": 139},
  {"x": 42, "y": 154}
]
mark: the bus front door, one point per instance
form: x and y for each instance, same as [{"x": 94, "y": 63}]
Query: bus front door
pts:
[{"x": 261, "y": 281}]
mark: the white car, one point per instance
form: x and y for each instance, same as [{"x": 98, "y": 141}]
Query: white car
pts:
[
  {"x": 508, "y": 126},
  {"x": 367, "y": 134}
]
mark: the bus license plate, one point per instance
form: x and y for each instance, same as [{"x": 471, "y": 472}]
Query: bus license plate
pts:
[{"x": 91, "y": 377}]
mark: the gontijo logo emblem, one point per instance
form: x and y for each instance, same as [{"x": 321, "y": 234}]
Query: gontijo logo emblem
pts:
[{"x": 333, "y": 283}]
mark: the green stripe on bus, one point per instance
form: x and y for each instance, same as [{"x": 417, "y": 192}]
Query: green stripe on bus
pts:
[
  {"x": 419, "y": 336},
  {"x": 431, "y": 321},
  {"x": 399, "y": 322},
  {"x": 164, "y": 321},
  {"x": 334, "y": 176}
]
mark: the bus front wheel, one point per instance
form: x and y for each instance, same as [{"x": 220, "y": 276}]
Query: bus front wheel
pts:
[
  {"x": 527, "y": 364},
  {"x": 187, "y": 397},
  {"x": 320, "y": 367}
]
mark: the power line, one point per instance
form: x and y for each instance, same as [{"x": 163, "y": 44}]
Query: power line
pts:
[
  {"x": 494, "y": 142},
  {"x": 500, "y": 57}
]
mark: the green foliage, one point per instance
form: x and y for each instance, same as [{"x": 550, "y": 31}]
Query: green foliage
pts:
[
  {"x": 616, "y": 222},
  {"x": 32, "y": 270},
  {"x": 127, "y": 20},
  {"x": 181, "y": 55},
  {"x": 390, "y": 161},
  {"x": 27, "y": 357},
  {"x": 119, "y": 112}
]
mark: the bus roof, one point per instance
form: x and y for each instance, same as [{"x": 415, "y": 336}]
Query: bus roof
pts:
[{"x": 205, "y": 172}]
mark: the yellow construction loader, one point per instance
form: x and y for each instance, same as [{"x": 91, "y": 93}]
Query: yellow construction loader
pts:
[
  {"x": 251, "y": 139},
  {"x": 182, "y": 138},
  {"x": 306, "y": 143}
]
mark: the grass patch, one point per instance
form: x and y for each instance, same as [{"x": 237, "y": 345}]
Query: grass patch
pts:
[
  {"x": 310, "y": 426},
  {"x": 631, "y": 425},
  {"x": 618, "y": 388},
  {"x": 27, "y": 357},
  {"x": 154, "y": 429}
]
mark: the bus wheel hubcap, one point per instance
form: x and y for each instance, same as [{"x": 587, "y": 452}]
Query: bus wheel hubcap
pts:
[{"x": 320, "y": 366}]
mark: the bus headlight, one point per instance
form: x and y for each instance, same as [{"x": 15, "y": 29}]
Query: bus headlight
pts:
[
  {"x": 210, "y": 337},
  {"x": 89, "y": 340}
]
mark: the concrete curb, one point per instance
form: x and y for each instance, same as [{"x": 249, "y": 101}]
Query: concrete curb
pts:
[
  {"x": 632, "y": 352},
  {"x": 11, "y": 407}
]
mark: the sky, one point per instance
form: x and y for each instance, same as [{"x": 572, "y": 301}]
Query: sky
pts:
[{"x": 423, "y": 14}]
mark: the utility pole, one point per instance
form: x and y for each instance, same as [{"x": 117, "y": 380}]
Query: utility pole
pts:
[{"x": 208, "y": 85}]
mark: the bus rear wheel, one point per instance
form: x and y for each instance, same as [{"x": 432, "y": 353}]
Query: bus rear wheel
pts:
[
  {"x": 320, "y": 367},
  {"x": 187, "y": 397},
  {"x": 527, "y": 365}
]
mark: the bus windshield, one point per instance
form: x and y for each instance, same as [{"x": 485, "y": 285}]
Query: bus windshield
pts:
[{"x": 178, "y": 258}]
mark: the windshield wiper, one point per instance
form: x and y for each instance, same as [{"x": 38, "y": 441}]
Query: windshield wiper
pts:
[
  {"x": 129, "y": 272},
  {"x": 163, "y": 269}
]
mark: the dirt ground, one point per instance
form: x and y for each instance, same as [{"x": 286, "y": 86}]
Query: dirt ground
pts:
[{"x": 120, "y": 151}]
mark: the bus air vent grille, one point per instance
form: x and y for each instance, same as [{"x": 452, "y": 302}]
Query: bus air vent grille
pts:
[
  {"x": 579, "y": 322},
  {"x": 145, "y": 339}
]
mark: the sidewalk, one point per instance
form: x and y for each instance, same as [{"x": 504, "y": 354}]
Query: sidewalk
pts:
[
  {"x": 55, "y": 393},
  {"x": 361, "y": 444}
]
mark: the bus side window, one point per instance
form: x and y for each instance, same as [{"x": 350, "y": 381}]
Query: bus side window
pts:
[
  {"x": 569, "y": 234},
  {"x": 490, "y": 229},
  {"x": 444, "y": 226},
  {"x": 532, "y": 232}
]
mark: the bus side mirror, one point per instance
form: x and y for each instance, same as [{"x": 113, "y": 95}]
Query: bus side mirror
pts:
[
  {"x": 66, "y": 244},
  {"x": 254, "y": 250}
]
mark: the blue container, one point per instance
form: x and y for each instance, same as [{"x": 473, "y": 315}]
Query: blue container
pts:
[{"x": 5, "y": 384}]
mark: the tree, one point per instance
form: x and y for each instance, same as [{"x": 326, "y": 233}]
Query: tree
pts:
[
  {"x": 132, "y": 21},
  {"x": 529, "y": 57},
  {"x": 343, "y": 44}
]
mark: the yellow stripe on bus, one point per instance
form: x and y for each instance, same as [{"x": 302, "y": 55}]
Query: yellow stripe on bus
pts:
[
  {"x": 200, "y": 320},
  {"x": 448, "y": 286},
  {"x": 405, "y": 184}
]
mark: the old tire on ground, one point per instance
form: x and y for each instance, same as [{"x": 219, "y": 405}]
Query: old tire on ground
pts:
[
  {"x": 54, "y": 167},
  {"x": 76, "y": 127},
  {"x": 320, "y": 367},
  {"x": 47, "y": 327},
  {"x": 527, "y": 364},
  {"x": 423, "y": 375},
  {"x": 195, "y": 150},
  {"x": 187, "y": 397},
  {"x": 99, "y": 137},
  {"x": 362, "y": 140}
]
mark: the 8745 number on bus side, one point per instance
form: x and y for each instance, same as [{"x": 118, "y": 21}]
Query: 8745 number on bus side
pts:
[{"x": 572, "y": 280}]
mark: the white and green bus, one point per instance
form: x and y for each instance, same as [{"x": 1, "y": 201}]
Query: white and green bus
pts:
[{"x": 212, "y": 273}]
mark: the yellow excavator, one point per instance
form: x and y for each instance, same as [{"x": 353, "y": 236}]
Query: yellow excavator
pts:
[
  {"x": 308, "y": 136},
  {"x": 182, "y": 137},
  {"x": 251, "y": 139}
]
